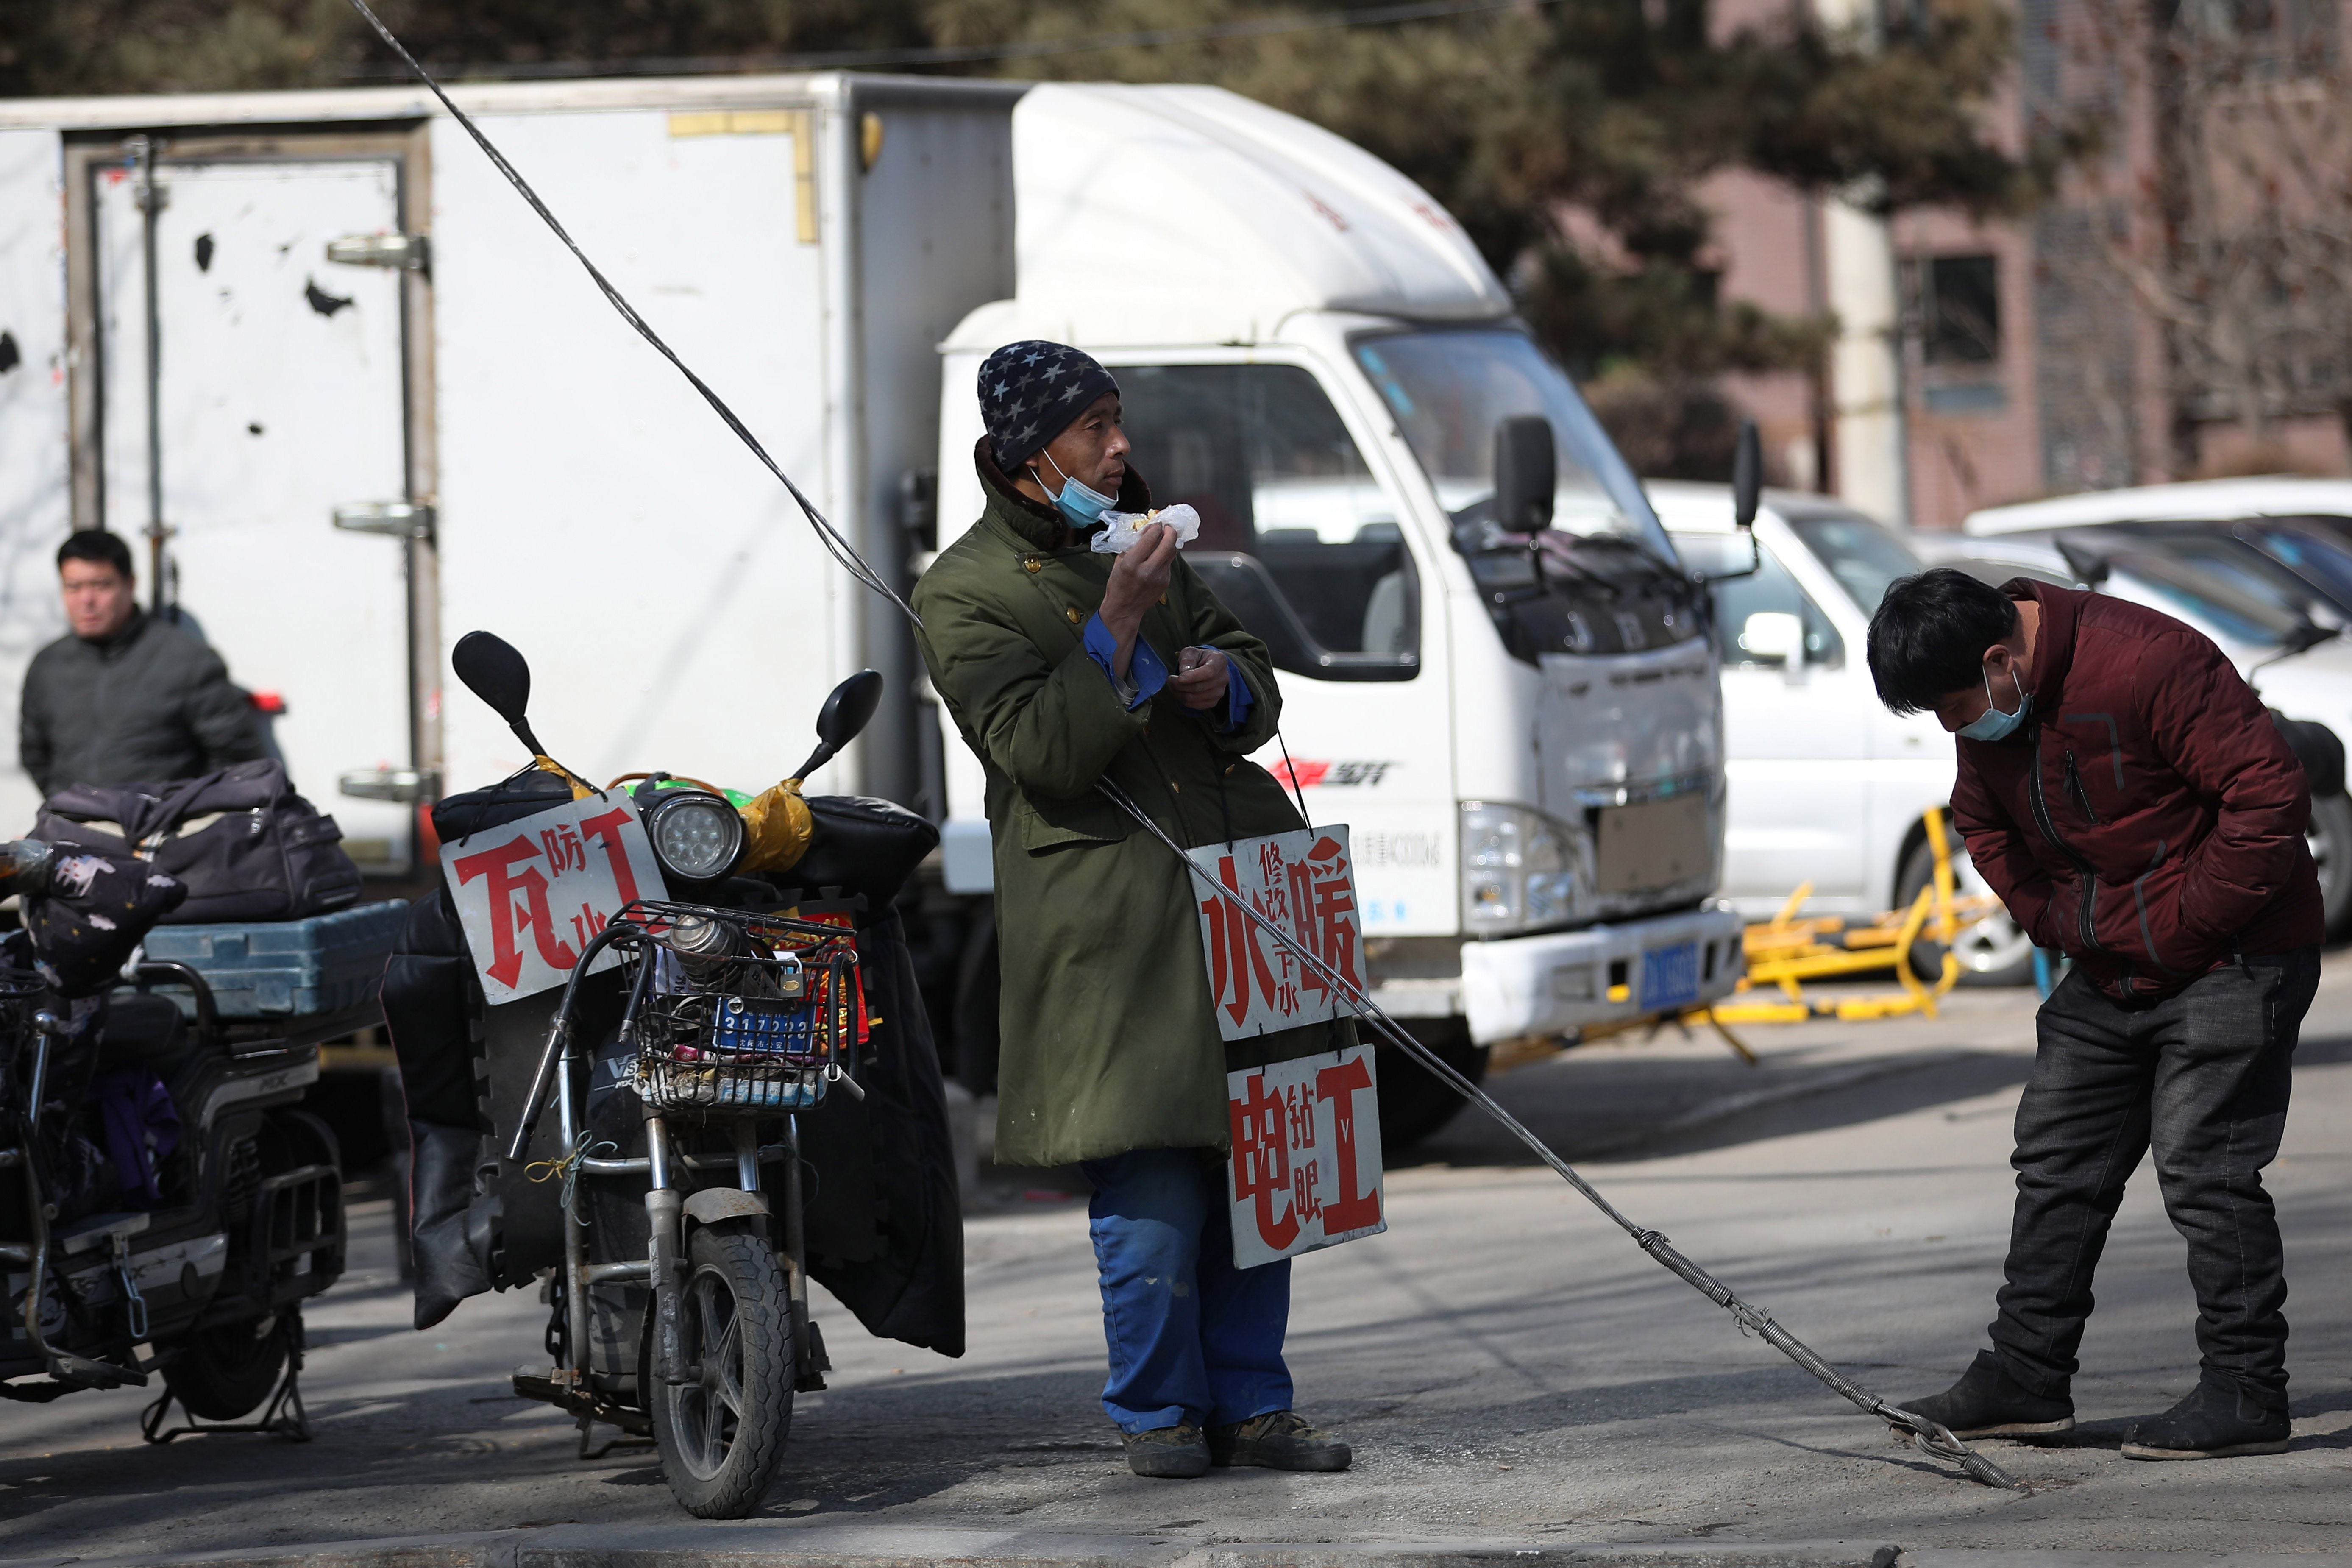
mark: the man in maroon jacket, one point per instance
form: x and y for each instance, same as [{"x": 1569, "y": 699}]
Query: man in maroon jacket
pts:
[{"x": 2126, "y": 795}]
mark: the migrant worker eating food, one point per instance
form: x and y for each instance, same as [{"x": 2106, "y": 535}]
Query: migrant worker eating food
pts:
[{"x": 1062, "y": 664}]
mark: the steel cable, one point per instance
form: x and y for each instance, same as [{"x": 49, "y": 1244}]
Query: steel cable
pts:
[{"x": 1926, "y": 1436}]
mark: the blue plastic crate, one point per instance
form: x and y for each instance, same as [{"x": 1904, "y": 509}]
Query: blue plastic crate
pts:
[{"x": 280, "y": 969}]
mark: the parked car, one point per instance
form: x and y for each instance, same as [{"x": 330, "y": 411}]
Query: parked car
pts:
[
  {"x": 1825, "y": 785},
  {"x": 2258, "y": 611}
]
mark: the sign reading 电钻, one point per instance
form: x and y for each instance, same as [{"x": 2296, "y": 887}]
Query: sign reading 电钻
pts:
[
  {"x": 1305, "y": 1166},
  {"x": 532, "y": 892}
]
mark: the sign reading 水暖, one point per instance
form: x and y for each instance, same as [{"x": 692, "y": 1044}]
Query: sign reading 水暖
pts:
[
  {"x": 1303, "y": 882},
  {"x": 532, "y": 893},
  {"x": 1305, "y": 1167}
]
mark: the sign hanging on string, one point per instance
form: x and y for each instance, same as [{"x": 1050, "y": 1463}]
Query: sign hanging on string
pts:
[
  {"x": 1303, "y": 881},
  {"x": 1305, "y": 1166},
  {"x": 532, "y": 892}
]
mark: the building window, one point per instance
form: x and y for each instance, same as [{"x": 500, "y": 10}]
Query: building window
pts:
[{"x": 1959, "y": 303}]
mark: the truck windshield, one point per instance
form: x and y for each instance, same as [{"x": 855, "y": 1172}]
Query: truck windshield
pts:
[
  {"x": 1448, "y": 390},
  {"x": 1297, "y": 537},
  {"x": 1863, "y": 557}
]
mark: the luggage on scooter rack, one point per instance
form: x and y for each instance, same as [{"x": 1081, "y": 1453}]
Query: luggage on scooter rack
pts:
[{"x": 164, "y": 1206}]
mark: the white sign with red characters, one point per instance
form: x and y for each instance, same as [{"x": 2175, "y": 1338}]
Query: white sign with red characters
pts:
[
  {"x": 1306, "y": 1169},
  {"x": 532, "y": 893},
  {"x": 1303, "y": 882}
]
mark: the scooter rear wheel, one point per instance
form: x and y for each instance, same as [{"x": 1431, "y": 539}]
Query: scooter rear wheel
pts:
[
  {"x": 722, "y": 1433},
  {"x": 225, "y": 1372}
]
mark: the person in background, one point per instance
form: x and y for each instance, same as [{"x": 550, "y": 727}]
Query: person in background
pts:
[
  {"x": 124, "y": 698},
  {"x": 2125, "y": 792}
]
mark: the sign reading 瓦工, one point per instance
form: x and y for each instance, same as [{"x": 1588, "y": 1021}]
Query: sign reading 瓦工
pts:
[
  {"x": 1305, "y": 1166},
  {"x": 1303, "y": 882},
  {"x": 532, "y": 892}
]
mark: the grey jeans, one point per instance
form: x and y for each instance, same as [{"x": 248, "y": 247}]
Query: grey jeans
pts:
[{"x": 2202, "y": 1077}]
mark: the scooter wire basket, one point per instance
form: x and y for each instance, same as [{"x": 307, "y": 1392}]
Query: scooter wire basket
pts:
[{"x": 741, "y": 1013}]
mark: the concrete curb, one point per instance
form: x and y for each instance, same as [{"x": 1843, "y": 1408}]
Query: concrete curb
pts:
[{"x": 773, "y": 1545}]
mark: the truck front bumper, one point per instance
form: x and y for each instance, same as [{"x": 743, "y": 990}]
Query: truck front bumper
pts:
[{"x": 1550, "y": 984}]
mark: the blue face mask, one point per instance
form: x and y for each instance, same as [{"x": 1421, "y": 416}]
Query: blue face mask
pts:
[
  {"x": 1996, "y": 725},
  {"x": 1081, "y": 503}
]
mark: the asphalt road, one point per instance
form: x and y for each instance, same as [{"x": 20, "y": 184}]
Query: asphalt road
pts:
[{"x": 1507, "y": 1365}]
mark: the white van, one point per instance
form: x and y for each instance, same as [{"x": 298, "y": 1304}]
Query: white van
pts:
[{"x": 1827, "y": 787}]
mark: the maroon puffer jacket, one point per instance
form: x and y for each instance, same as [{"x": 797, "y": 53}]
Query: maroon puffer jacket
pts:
[{"x": 2149, "y": 820}]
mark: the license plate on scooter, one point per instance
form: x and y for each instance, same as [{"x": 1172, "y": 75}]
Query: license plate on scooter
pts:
[{"x": 1670, "y": 977}]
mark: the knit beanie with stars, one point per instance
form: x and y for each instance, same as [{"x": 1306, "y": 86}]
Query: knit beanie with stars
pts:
[{"x": 1031, "y": 392}]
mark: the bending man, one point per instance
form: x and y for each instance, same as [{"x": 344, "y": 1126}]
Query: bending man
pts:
[{"x": 2126, "y": 795}]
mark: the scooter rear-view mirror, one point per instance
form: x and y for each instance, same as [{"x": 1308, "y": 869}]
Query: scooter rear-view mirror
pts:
[
  {"x": 496, "y": 671},
  {"x": 846, "y": 711}
]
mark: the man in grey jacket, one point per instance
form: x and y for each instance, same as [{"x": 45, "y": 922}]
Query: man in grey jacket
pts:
[{"x": 124, "y": 698}]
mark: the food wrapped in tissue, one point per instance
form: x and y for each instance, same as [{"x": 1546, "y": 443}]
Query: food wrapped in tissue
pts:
[{"x": 1121, "y": 529}]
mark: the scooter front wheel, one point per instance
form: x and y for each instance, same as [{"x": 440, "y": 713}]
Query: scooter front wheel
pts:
[{"x": 721, "y": 1433}]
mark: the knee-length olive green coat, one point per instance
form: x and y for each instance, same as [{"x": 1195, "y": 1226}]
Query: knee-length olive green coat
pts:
[{"x": 1108, "y": 1040}]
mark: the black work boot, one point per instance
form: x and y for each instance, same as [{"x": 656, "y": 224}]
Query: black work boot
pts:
[
  {"x": 2217, "y": 1420},
  {"x": 1279, "y": 1440},
  {"x": 1166, "y": 1453},
  {"x": 1989, "y": 1403}
]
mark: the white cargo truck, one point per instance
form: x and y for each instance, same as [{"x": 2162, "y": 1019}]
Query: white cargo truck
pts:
[{"x": 315, "y": 357}]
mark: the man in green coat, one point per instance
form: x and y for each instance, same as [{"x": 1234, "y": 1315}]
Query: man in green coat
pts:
[{"x": 1062, "y": 667}]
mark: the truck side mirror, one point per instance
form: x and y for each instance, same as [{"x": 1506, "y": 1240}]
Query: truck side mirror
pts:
[
  {"x": 496, "y": 671},
  {"x": 1774, "y": 634},
  {"x": 1527, "y": 473},
  {"x": 1747, "y": 475},
  {"x": 2090, "y": 568},
  {"x": 847, "y": 709}
]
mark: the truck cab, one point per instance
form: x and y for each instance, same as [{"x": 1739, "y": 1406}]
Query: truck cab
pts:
[{"x": 1522, "y": 728}]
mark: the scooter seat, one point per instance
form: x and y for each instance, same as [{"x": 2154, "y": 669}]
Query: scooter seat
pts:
[{"x": 141, "y": 1031}]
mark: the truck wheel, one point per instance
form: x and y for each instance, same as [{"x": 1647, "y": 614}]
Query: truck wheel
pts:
[
  {"x": 1413, "y": 1103},
  {"x": 2330, "y": 834},
  {"x": 225, "y": 1372},
  {"x": 722, "y": 1436},
  {"x": 1993, "y": 951}
]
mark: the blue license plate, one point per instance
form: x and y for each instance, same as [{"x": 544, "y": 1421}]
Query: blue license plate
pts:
[{"x": 1670, "y": 977}]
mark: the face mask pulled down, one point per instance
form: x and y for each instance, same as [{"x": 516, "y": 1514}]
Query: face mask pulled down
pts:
[
  {"x": 1079, "y": 501},
  {"x": 1994, "y": 724}
]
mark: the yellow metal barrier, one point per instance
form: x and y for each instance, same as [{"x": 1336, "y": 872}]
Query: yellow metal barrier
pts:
[{"x": 1786, "y": 951}]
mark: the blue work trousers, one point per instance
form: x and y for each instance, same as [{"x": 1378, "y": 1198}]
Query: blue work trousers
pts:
[{"x": 1193, "y": 1338}]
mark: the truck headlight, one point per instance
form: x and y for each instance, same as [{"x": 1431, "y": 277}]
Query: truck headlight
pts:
[
  {"x": 1520, "y": 870},
  {"x": 698, "y": 837}
]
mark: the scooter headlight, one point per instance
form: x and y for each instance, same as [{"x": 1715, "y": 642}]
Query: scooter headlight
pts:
[{"x": 698, "y": 837}]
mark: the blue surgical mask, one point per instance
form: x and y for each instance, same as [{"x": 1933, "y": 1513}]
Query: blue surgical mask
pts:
[
  {"x": 1996, "y": 725},
  {"x": 1081, "y": 503}
]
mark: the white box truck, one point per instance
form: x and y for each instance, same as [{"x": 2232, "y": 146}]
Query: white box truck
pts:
[{"x": 353, "y": 399}]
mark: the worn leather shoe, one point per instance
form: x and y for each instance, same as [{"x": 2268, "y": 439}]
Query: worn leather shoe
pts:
[
  {"x": 1166, "y": 1453},
  {"x": 1279, "y": 1440},
  {"x": 2218, "y": 1419},
  {"x": 1989, "y": 1403}
]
